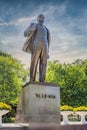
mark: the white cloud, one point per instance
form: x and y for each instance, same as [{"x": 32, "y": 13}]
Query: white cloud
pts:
[
  {"x": 22, "y": 20},
  {"x": 18, "y": 22}
]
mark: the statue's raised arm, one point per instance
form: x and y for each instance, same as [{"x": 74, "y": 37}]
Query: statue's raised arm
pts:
[{"x": 31, "y": 28}]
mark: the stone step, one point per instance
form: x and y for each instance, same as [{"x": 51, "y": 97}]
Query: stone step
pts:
[
  {"x": 30, "y": 126},
  {"x": 35, "y": 126},
  {"x": 14, "y": 126}
]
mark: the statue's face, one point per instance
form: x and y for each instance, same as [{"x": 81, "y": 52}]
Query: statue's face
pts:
[{"x": 40, "y": 19}]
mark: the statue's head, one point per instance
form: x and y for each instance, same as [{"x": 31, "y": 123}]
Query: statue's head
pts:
[{"x": 41, "y": 18}]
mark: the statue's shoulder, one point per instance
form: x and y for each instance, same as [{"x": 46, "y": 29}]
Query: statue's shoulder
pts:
[{"x": 33, "y": 24}]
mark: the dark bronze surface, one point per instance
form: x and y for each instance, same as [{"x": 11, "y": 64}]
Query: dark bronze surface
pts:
[{"x": 39, "y": 47}]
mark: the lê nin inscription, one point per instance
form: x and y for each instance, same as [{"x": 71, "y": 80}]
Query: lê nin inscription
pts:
[{"x": 45, "y": 96}]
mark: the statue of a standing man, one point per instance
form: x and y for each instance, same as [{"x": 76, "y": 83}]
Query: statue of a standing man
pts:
[{"x": 38, "y": 41}]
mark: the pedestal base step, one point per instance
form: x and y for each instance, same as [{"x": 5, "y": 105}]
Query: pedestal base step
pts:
[
  {"x": 44, "y": 126},
  {"x": 35, "y": 126},
  {"x": 14, "y": 126},
  {"x": 30, "y": 126}
]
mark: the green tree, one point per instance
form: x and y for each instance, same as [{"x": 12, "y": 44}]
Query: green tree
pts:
[
  {"x": 12, "y": 77},
  {"x": 72, "y": 80}
]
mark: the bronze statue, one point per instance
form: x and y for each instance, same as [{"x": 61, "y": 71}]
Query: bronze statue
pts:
[{"x": 37, "y": 43}]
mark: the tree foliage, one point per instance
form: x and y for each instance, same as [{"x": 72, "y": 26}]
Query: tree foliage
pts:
[
  {"x": 12, "y": 77},
  {"x": 72, "y": 80}
]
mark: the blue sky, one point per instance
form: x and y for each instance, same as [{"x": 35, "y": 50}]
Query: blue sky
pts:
[{"x": 66, "y": 20}]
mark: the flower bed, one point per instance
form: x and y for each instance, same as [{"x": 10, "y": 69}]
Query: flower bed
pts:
[
  {"x": 4, "y": 106},
  {"x": 74, "y": 109},
  {"x": 66, "y": 108},
  {"x": 81, "y": 108}
]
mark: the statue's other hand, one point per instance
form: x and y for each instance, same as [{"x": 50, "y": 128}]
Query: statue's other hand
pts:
[{"x": 48, "y": 56}]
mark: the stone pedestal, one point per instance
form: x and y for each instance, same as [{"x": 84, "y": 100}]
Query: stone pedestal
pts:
[{"x": 39, "y": 103}]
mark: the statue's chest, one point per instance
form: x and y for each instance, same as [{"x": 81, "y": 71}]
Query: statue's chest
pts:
[{"x": 41, "y": 30}]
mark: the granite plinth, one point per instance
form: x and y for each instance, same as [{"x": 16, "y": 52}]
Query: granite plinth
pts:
[{"x": 39, "y": 103}]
